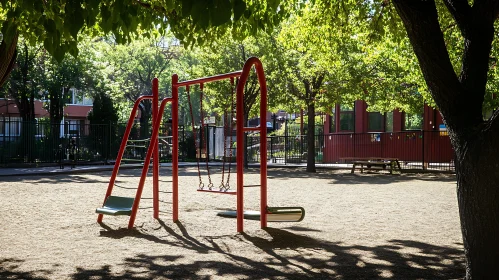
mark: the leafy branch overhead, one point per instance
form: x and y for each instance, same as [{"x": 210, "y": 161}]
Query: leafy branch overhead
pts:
[{"x": 58, "y": 24}]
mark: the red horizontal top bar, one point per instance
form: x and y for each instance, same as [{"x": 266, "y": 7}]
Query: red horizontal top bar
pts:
[
  {"x": 208, "y": 79},
  {"x": 252, "y": 128}
]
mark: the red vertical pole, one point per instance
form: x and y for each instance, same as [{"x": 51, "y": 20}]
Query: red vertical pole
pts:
[
  {"x": 240, "y": 140},
  {"x": 175, "y": 147},
  {"x": 263, "y": 143},
  {"x": 155, "y": 166},
  {"x": 240, "y": 150}
]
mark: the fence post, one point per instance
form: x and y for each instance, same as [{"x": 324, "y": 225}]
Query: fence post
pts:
[
  {"x": 424, "y": 163},
  {"x": 286, "y": 141},
  {"x": 271, "y": 148}
]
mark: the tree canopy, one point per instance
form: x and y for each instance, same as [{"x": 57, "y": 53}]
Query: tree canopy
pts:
[{"x": 58, "y": 24}]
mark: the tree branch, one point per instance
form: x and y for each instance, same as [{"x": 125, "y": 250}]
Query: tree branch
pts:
[
  {"x": 421, "y": 23},
  {"x": 460, "y": 11}
]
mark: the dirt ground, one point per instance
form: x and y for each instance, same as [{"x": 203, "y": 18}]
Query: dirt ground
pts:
[{"x": 357, "y": 226}]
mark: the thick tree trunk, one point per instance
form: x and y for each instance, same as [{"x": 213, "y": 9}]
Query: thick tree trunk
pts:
[
  {"x": 478, "y": 198},
  {"x": 7, "y": 59},
  {"x": 460, "y": 99}
]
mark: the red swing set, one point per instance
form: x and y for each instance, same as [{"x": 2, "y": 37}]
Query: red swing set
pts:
[{"x": 116, "y": 205}]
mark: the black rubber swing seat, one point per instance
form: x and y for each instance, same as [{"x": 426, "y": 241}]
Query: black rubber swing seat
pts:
[
  {"x": 274, "y": 214},
  {"x": 116, "y": 205}
]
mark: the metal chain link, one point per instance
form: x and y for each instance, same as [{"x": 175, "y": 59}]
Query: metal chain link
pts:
[
  {"x": 202, "y": 136},
  {"x": 201, "y": 185}
]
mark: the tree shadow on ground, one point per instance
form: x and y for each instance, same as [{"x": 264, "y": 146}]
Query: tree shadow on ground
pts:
[
  {"x": 285, "y": 255},
  {"x": 9, "y": 269},
  {"x": 55, "y": 179}
]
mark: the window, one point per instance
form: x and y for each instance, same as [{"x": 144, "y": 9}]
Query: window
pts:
[
  {"x": 347, "y": 118},
  {"x": 41, "y": 127},
  {"x": 79, "y": 98},
  {"x": 413, "y": 121},
  {"x": 332, "y": 121},
  {"x": 389, "y": 122},
  {"x": 374, "y": 121},
  {"x": 10, "y": 126},
  {"x": 72, "y": 127}
]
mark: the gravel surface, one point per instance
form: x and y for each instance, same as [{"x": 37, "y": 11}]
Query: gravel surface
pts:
[{"x": 357, "y": 226}]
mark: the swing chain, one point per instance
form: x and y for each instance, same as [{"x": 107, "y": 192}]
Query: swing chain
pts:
[
  {"x": 201, "y": 185},
  {"x": 203, "y": 135},
  {"x": 227, "y": 186}
]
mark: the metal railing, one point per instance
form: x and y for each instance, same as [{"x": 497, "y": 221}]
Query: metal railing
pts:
[
  {"x": 424, "y": 150},
  {"x": 23, "y": 143}
]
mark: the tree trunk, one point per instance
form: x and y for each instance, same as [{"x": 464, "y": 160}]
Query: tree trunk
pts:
[
  {"x": 145, "y": 116},
  {"x": 7, "y": 59},
  {"x": 459, "y": 100},
  {"x": 478, "y": 199},
  {"x": 311, "y": 137}
]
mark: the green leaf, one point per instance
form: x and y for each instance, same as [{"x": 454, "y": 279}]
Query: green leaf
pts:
[
  {"x": 247, "y": 13},
  {"x": 9, "y": 31},
  {"x": 186, "y": 8},
  {"x": 76, "y": 24},
  {"x": 221, "y": 12},
  {"x": 106, "y": 23},
  {"x": 49, "y": 25},
  {"x": 48, "y": 44},
  {"x": 73, "y": 48},
  {"x": 59, "y": 54},
  {"x": 200, "y": 14},
  {"x": 239, "y": 8}
]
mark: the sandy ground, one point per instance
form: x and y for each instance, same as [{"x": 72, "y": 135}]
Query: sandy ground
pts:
[{"x": 357, "y": 226}]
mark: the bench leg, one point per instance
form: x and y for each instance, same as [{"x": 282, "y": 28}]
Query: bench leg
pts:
[{"x": 353, "y": 168}]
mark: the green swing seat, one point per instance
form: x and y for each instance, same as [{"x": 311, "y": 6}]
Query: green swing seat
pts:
[
  {"x": 274, "y": 214},
  {"x": 116, "y": 205}
]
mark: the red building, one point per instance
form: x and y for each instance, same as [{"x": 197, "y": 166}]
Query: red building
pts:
[
  {"x": 352, "y": 131},
  {"x": 75, "y": 115}
]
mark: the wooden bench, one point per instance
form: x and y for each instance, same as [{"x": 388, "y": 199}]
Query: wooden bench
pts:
[{"x": 374, "y": 164}]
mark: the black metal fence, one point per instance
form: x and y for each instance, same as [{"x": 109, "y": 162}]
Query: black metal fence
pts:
[
  {"x": 425, "y": 150},
  {"x": 23, "y": 143}
]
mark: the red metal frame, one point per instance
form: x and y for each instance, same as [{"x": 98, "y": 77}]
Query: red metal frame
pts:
[
  {"x": 122, "y": 149},
  {"x": 153, "y": 151},
  {"x": 243, "y": 77}
]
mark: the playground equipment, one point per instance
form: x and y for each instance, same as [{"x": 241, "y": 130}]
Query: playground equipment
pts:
[
  {"x": 274, "y": 214},
  {"x": 224, "y": 187},
  {"x": 115, "y": 205}
]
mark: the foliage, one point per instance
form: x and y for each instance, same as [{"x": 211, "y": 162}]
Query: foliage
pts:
[
  {"x": 130, "y": 69},
  {"x": 25, "y": 81},
  {"x": 58, "y": 24},
  {"x": 227, "y": 55},
  {"x": 103, "y": 119}
]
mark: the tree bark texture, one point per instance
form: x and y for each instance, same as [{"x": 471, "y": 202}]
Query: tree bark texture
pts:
[
  {"x": 7, "y": 59},
  {"x": 459, "y": 99}
]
